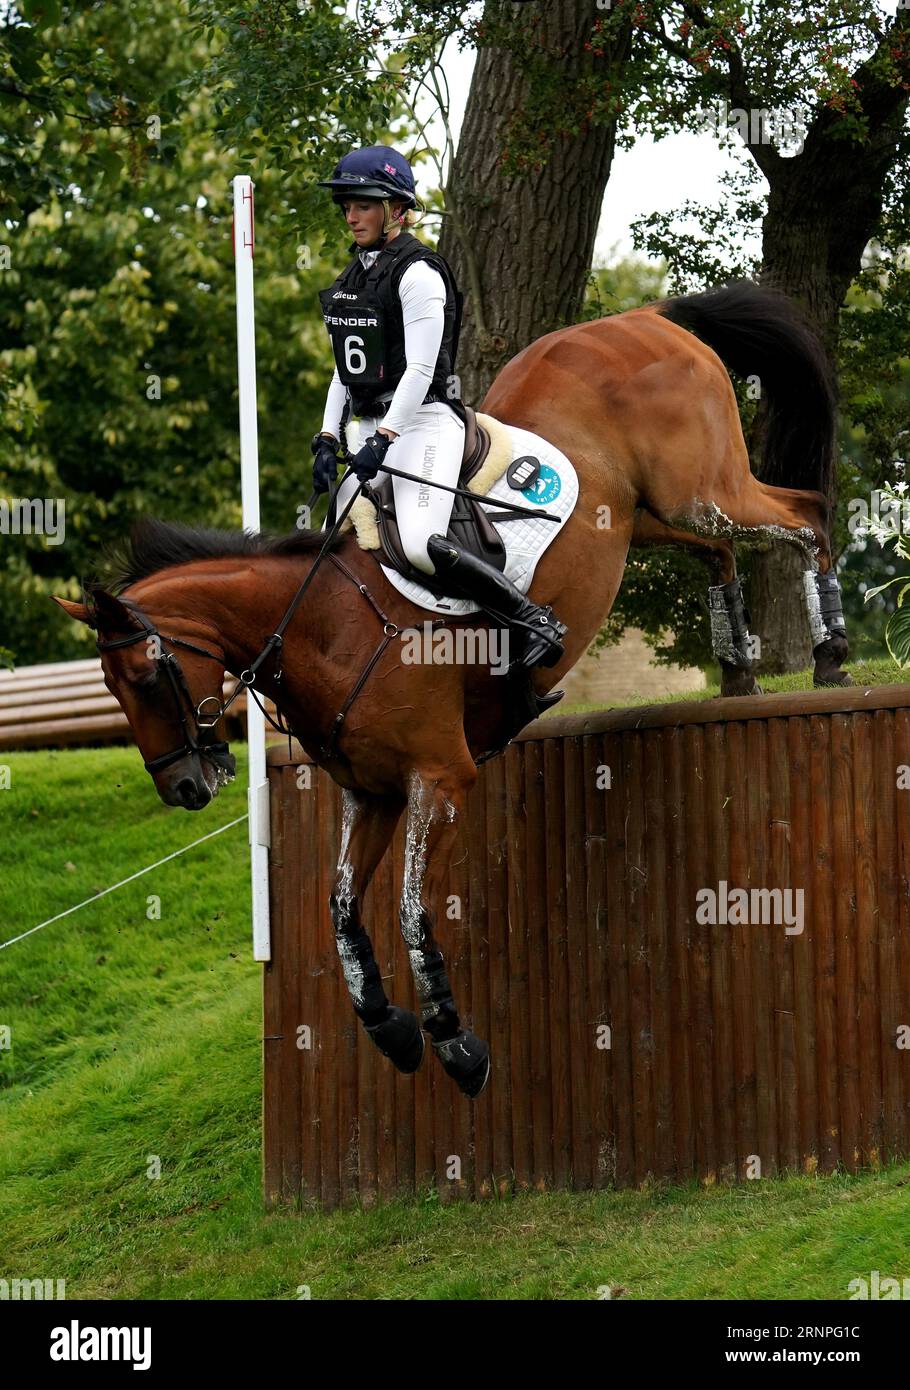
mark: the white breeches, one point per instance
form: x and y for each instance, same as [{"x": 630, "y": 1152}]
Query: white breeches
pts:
[{"x": 430, "y": 447}]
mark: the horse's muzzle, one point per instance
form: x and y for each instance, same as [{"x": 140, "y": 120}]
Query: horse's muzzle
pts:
[{"x": 194, "y": 781}]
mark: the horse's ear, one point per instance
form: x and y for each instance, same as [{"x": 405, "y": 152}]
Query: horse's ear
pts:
[
  {"x": 102, "y": 611},
  {"x": 79, "y": 612}
]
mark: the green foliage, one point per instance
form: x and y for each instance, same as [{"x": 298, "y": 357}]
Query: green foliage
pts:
[
  {"x": 686, "y": 57},
  {"x": 123, "y": 325},
  {"x": 625, "y": 282},
  {"x": 291, "y": 88},
  {"x": 77, "y": 85},
  {"x": 118, "y": 379}
]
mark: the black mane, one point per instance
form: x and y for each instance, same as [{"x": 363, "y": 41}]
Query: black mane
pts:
[{"x": 156, "y": 545}]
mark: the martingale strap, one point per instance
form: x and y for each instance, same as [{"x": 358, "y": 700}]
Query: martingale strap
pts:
[{"x": 389, "y": 631}]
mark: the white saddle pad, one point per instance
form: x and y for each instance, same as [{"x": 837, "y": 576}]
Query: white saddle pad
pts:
[{"x": 525, "y": 539}]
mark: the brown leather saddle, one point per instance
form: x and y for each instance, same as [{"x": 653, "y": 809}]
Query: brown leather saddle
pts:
[{"x": 470, "y": 524}]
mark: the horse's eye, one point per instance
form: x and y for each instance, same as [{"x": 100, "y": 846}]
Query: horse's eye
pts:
[{"x": 147, "y": 685}]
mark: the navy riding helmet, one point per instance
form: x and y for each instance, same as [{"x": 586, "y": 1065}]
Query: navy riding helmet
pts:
[{"x": 376, "y": 171}]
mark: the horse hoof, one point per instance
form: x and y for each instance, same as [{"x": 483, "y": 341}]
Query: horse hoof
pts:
[
  {"x": 399, "y": 1038},
  {"x": 823, "y": 679},
  {"x": 734, "y": 682},
  {"x": 466, "y": 1058}
]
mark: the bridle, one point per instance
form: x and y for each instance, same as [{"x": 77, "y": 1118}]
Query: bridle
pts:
[{"x": 198, "y": 737}]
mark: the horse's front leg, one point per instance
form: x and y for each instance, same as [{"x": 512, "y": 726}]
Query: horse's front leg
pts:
[
  {"x": 434, "y": 803},
  {"x": 368, "y": 824}
]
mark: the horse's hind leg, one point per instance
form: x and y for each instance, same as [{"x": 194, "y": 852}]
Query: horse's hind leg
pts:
[
  {"x": 827, "y": 628},
  {"x": 731, "y": 641},
  {"x": 367, "y": 827},
  {"x": 804, "y": 518},
  {"x": 434, "y": 803},
  {"x": 756, "y": 512}
]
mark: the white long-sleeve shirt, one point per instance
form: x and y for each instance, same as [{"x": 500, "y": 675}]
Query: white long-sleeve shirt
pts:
[{"x": 423, "y": 295}]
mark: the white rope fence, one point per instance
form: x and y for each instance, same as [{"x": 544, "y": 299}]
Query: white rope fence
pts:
[{"x": 114, "y": 886}]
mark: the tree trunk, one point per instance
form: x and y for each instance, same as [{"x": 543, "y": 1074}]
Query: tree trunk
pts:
[
  {"x": 823, "y": 208},
  {"x": 521, "y": 246}
]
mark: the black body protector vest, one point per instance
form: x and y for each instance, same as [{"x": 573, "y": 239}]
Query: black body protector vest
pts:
[{"x": 362, "y": 313}]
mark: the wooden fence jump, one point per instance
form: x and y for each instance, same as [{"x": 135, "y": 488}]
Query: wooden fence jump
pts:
[{"x": 630, "y": 1040}]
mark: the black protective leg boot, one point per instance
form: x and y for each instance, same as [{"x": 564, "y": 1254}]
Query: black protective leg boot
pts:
[{"x": 467, "y": 576}]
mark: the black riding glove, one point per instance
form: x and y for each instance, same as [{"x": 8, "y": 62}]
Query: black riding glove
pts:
[
  {"x": 367, "y": 461},
  {"x": 325, "y": 464}
]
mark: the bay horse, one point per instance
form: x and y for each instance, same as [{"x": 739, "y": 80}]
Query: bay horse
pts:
[{"x": 646, "y": 412}]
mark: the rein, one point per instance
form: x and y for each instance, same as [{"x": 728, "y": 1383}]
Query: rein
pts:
[{"x": 201, "y": 738}]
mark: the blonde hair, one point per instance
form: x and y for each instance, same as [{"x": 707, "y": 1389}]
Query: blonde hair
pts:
[{"x": 410, "y": 218}]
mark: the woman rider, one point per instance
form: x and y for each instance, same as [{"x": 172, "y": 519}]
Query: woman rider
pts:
[{"x": 393, "y": 317}]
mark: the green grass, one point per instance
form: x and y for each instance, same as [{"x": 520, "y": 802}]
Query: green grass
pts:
[
  {"x": 135, "y": 1036},
  {"x": 882, "y": 671}
]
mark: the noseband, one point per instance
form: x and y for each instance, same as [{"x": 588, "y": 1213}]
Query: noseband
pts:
[{"x": 200, "y": 736}]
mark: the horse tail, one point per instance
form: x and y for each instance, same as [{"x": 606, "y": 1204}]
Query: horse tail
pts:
[{"x": 759, "y": 331}]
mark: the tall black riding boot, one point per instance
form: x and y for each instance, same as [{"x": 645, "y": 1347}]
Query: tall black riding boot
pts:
[{"x": 467, "y": 576}]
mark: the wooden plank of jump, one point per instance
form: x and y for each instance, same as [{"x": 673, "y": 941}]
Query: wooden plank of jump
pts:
[
  {"x": 500, "y": 1083},
  {"x": 475, "y": 861},
  {"x": 47, "y": 713},
  {"x": 761, "y": 941},
  {"x": 869, "y": 924},
  {"x": 846, "y": 925},
  {"x": 716, "y": 800},
  {"x": 454, "y": 937},
  {"x": 535, "y": 910},
  {"x": 747, "y": 1137},
  {"x": 519, "y": 968},
  {"x": 694, "y": 947},
  {"x": 555, "y": 950},
  {"x": 783, "y": 949},
  {"x": 723, "y": 710},
  {"x": 615, "y": 980},
  {"x": 901, "y": 1120},
  {"x": 823, "y": 910},
  {"x": 657, "y": 870},
  {"x": 321, "y": 815},
  {"x": 887, "y": 740},
  {"x": 681, "y": 949},
  {"x": 46, "y": 670},
  {"x": 54, "y": 687},
  {"x": 581, "y": 1037},
  {"x": 89, "y": 728},
  {"x": 597, "y": 1062}
]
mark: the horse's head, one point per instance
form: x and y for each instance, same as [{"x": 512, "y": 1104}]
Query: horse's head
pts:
[{"x": 168, "y": 683}]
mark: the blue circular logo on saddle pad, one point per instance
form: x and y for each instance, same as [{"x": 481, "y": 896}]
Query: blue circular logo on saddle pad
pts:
[{"x": 546, "y": 488}]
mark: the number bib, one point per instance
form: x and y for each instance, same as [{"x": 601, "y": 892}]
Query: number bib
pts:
[{"x": 355, "y": 326}]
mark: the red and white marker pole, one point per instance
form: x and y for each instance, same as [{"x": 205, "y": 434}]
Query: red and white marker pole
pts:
[{"x": 258, "y": 788}]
